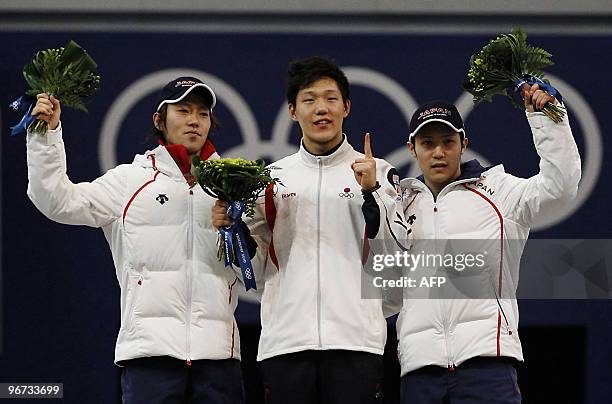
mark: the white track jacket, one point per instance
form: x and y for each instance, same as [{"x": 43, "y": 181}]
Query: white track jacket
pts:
[
  {"x": 312, "y": 245},
  {"x": 177, "y": 299},
  {"x": 490, "y": 205}
]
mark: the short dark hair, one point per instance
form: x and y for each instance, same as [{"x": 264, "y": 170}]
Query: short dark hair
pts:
[
  {"x": 158, "y": 134},
  {"x": 304, "y": 72}
]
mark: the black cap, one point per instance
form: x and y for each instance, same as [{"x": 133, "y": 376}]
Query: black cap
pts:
[
  {"x": 178, "y": 89},
  {"x": 436, "y": 111}
]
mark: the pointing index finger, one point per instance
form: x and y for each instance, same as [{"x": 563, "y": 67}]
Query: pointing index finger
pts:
[{"x": 366, "y": 146}]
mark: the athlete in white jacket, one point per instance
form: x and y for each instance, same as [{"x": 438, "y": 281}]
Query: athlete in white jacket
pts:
[
  {"x": 178, "y": 338},
  {"x": 321, "y": 340},
  {"x": 462, "y": 349}
]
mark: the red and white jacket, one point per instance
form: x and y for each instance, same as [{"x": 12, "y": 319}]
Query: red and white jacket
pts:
[
  {"x": 492, "y": 205},
  {"x": 312, "y": 248},
  {"x": 177, "y": 299}
]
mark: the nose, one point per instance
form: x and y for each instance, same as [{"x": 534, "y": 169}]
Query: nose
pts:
[
  {"x": 320, "y": 107},
  {"x": 192, "y": 120},
  {"x": 438, "y": 152}
]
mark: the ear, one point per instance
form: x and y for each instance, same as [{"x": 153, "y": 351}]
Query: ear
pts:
[
  {"x": 291, "y": 109},
  {"x": 156, "y": 120},
  {"x": 464, "y": 145},
  {"x": 347, "y": 108},
  {"x": 411, "y": 148}
]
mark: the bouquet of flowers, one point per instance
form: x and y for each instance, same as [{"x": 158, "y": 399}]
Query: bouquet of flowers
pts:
[
  {"x": 504, "y": 65},
  {"x": 67, "y": 73},
  {"x": 240, "y": 183}
]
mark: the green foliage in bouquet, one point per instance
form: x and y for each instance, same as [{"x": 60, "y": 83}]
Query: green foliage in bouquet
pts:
[
  {"x": 504, "y": 61},
  {"x": 67, "y": 73},
  {"x": 234, "y": 179}
]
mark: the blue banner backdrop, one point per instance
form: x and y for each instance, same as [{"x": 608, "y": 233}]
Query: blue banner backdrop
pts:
[{"x": 59, "y": 291}]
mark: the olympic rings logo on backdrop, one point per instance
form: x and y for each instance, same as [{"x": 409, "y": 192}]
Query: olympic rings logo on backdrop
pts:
[{"x": 279, "y": 146}]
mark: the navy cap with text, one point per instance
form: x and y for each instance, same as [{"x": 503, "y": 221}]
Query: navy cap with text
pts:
[
  {"x": 436, "y": 111},
  {"x": 177, "y": 89}
]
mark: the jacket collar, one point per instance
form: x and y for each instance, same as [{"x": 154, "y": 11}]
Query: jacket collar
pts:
[
  {"x": 173, "y": 160},
  {"x": 334, "y": 158},
  {"x": 469, "y": 170}
]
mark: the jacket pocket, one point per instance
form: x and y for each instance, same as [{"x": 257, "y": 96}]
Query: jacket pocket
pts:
[{"x": 135, "y": 282}]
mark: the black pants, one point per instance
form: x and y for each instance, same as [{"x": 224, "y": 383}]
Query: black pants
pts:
[
  {"x": 478, "y": 380},
  {"x": 323, "y": 377},
  {"x": 168, "y": 380}
]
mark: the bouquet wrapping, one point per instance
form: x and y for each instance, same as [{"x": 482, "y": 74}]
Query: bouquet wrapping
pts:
[
  {"x": 240, "y": 183},
  {"x": 67, "y": 73},
  {"x": 504, "y": 65}
]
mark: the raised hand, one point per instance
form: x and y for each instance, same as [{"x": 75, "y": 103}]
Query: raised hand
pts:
[
  {"x": 48, "y": 109},
  {"x": 535, "y": 99},
  {"x": 365, "y": 168}
]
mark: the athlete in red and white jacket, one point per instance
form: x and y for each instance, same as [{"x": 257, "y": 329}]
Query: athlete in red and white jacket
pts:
[
  {"x": 321, "y": 340},
  {"x": 177, "y": 299},
  {"x": 453, "y": 201}
]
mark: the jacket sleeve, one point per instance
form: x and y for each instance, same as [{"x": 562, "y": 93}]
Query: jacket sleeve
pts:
[
  {"x": 556, "y": 184},
  {"x": 383, "y": 211},
  {"x": 387, "y": 228},
  {"x": 94, "y": 204}
]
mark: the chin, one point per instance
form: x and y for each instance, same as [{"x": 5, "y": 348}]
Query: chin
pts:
[{"x": 441, "y": 178}]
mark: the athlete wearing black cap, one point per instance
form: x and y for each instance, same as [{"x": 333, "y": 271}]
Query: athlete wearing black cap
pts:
[
  {"x": 462, "y": 349},
  {"x": 178, "y": 341}
]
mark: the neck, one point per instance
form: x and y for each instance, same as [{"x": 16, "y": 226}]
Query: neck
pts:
[
  {"x": 436, "y": 187},
  {"x": 318, "y": 149}
]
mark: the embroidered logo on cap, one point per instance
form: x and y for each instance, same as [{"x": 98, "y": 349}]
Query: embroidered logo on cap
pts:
[
  {"x": 185, "y": 83},
  {"x": 434, "y": 112}
]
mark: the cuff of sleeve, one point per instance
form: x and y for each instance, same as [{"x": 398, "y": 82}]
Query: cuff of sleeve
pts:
[
  {"x": 52, "y": 136},
  {"x": 368, "y": 197},
  {"x": 537, "y": 119},
  {"x": 371, "y": 190}
]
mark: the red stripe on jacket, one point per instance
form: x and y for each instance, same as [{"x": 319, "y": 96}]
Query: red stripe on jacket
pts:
[
  {"x": 270, "y": 211},
  {"x": 366, "y": 247},
  {"x": 501, "y": 258},
  {"x": 125, "y": 210},
  {"x": 233, "y": 338}
]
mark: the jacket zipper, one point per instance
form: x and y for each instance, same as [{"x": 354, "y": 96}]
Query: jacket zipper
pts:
[
  {"x": 320, "y": 164},
  {"x": 189, "y": 274},
  {"x": 442, "y": 305}
]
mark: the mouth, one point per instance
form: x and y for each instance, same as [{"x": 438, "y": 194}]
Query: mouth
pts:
[
  {"x": 439, "y": 165},
  {"x": 192, "y": 133},
  {"x": 322, "y": 122}
]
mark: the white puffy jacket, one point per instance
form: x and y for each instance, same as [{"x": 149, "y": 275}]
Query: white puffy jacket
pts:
[
  {"x": 491, "y": 205},
  {"x": 177, "y": 299},
  {"x": 311, "y": 246}
]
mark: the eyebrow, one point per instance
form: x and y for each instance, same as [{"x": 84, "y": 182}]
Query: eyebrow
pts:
[{"x": 313, "y": 92}]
